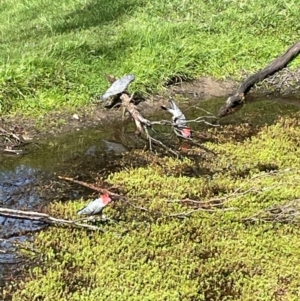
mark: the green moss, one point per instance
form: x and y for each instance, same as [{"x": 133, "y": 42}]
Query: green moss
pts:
[{"x": 147, "y": 255}]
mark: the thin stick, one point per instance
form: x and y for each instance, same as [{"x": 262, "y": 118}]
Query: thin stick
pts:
[
  {"x": 151, "y": 139},
  {"x": 43, "y": 217},
  {"x": 91, "y": 186},
  {"x": 189, "y": 213}
]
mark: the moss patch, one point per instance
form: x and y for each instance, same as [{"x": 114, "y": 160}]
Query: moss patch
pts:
[{"x": 148, "y": 255}]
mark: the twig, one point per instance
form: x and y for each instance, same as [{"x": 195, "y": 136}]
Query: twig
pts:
[
  {"x": 189, "y": 213},
  {"x": 197, "y": 120},
  {"x": 91, "y": 186},
  {"x": 43, "y": 217},
  {"x": 13, "y": 151},
  {"x": 151, "y": 139},
  {"x": 216, "y": 204},
  {"x": 131, "y": 108},
  {"x": 142, "y": 124},
  {"x": 138, "y": 207},
  {"x": 88, "y": 185},
  {"x": 289, "y": 212}
]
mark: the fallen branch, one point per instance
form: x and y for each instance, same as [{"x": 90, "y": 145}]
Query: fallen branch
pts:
[
  {"x": 216, "y": 204},
  {"x": 92, "y": 186},
  {"x": 189, "y": 213},
  {"x": 142, "y": 124},
  {"x": 45, "y": 218},
  {"x": 85, "y": 184},
  {"x": 200, "y": 119},
  {"x": 287, "y": 213},
  {"x": 151, "y": 139},
  {"x": 236, "y": 101},
  {"x": 131, "y": 108}
]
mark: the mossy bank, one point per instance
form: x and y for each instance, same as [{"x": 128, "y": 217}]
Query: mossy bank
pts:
[{"x": 216, "y": 253}]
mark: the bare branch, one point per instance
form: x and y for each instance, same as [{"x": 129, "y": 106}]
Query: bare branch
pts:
[
  {"x": 189, "y": 213},
  {"x": 286, "y": 213},
  {"x": 139, "y": 120},
  {"x": 91, "y": 186},
  {"x": 216, "y": 204},
  {"x": 200, "y": 119},
  {"x": 151, "y": 139},
  {"x": 142, "y": 124},
  {"x": 43, "y": 217},
  {"x": 138, "y": 207}
]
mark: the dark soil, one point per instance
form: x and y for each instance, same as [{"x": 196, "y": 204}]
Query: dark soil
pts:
[{"x": 55, "y": 123}]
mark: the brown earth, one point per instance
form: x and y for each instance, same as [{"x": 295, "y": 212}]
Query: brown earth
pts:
[
  {"x": 60, "y": 122},
  {"x": 55, "y": 123}
]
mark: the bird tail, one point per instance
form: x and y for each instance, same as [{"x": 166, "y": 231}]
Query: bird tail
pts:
[
  {"x": 164, "y": 108},
  {"x": 173, "y": 105},
  {"x": 81, "y": 211}
]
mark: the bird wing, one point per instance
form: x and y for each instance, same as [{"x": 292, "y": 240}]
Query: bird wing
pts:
[
  {"x": 92, "y": 208},
  {"x": 174, "y": 105},
  {"x": 118, "y": 86},
  {"x": 178, "y": 116},
  {"x": 170, "y": 110}
]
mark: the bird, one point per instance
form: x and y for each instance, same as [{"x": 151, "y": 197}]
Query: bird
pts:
[
  {"x": 179, "y": 119},
  {"x": 95, "y": 207},
  {"x": 118, "y": 86}
]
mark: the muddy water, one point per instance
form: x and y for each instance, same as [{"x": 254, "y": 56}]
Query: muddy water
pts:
[{"x": 29, "y": 182}]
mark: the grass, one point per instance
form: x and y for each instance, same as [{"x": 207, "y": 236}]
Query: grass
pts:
[
  {"x": 207, "y": 256},
  {"x": 54, "y": 54}
]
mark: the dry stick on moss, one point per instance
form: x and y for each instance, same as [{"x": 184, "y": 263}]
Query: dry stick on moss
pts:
[
  {"x": 215, "y": 203},
  {"x": 189, "y": 213},
  {"x": 210, "y": 202},
  {"x": 234, "y": 194},
  {"x": 102, "y": 190},
  {"x": 93, "y": 187},
  {"x": 235, "y": 102},
  {"x": 45, "y": 218},
  {"x": 85, "y": 184},
  {"x": 286, "y": 213}
]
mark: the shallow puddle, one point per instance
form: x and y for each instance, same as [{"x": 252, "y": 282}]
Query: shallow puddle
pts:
[{"x": 29, "y": 182}]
